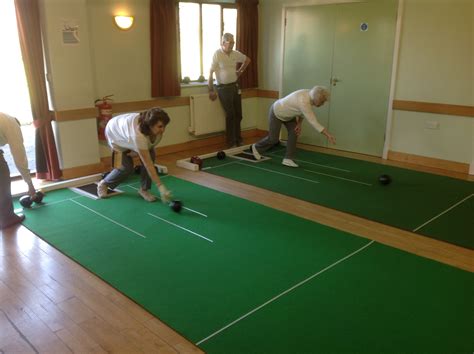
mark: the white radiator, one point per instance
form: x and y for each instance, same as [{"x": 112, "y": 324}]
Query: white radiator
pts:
[{"x": 206, "y": 116}]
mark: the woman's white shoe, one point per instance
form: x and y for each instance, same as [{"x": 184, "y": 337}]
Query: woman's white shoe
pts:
[{"x": 289, "y": 163}]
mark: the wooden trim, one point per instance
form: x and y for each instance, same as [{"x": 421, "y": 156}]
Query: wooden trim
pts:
[
  {"x": 438, "y": 108},
  {"x": 268, "y": 94},
  {"x": 87, "y": 113},
  {"x": 429, "y": 162},
  {"x": 75, "y": 114},
  {"x": 249, "y": 93},
  {"x": 136, "y": 106}
]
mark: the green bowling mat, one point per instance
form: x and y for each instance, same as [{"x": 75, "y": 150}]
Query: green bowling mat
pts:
[
  {"x": 233, "y": 276},
  {"x": 435, "y": 206}
]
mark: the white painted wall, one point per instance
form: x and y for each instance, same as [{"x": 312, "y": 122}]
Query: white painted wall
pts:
[
  {"x": 435, "y": 65},
  {"x": 106, "y": 61}
]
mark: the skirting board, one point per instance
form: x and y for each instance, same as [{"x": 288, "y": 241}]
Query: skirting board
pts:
[{"x": 429, "y": 162}]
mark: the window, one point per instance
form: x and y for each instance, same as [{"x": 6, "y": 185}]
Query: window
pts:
[
  {"x": 14, "y": 96},
  {"x": 201, "y": 26}
]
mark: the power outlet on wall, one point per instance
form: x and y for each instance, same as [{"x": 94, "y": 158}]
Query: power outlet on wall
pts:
[{"x": 431, "y": 124}]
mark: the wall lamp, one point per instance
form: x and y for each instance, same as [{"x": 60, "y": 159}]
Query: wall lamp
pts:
[{"x": 123, "y": 22}]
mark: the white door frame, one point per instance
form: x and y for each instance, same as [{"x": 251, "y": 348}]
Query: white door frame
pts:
[{"x": 396, "y": 49}]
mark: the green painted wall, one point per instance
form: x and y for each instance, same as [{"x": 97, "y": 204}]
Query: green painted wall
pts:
[{"x": 435, "y": 64}]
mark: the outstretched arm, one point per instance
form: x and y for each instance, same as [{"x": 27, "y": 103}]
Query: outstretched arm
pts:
[{"x": 150, "y": 167}]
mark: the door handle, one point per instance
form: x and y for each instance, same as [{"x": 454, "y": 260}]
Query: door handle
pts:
[{"x": 334, "y": 81}]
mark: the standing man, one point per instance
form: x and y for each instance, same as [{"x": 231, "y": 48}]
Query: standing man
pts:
[
  {"x": 290, "y": 111},
  {"x": 224, "y": 64},
  {"x": 10, "y": 133}
]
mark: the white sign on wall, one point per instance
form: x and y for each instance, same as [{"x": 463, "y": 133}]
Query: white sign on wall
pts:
[{"x": 70, "y": 32}]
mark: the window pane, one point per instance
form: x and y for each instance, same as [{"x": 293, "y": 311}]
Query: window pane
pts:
[
  {"x": 211, "y": 34},
  {"x": 230, "y": 22},
  {"x": 189, "y": 40}
]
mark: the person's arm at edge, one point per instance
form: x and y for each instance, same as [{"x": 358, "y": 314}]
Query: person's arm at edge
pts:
[{"x": 18, "y": 152}]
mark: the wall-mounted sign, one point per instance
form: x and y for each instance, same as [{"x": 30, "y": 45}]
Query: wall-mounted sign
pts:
[
  {"x": 70, "y": 32},
  {"x": 364, "y": 26}
]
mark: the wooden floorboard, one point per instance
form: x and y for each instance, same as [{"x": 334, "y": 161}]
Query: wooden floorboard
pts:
[{"x": 49, "y": 303}]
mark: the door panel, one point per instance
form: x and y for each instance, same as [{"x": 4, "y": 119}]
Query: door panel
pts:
[
  {"x": 363, "y": 63},
  {"x": 309, "y": 39},
  {"x": 326, "y": 41}
]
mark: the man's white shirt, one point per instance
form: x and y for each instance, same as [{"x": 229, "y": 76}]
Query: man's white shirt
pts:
[{"x": 225, "y": 65}]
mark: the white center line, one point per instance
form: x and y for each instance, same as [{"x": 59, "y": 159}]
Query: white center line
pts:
[
  {"x": 345, "y": 179},
  {"x": 444, "y": 212},
  {"x": 280, "y": 173},
  {"x": 182, "y": 228},
  {"x": 285, "y": 292},
  {"x": 107, "y": 218}
]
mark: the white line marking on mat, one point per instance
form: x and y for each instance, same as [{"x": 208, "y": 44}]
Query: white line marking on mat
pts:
[
  {"x": 182, "y": 228},
  {"x": 285, "y": 292},
  {"x": 224, "y": 164},
  {"x": 105, "y": 217},
  {"x": 345, "y": 179},
  {"x": 444, "y": 212},
  {"x": 42, "y": 205},
  {"x": 314, "y": 163},
  {"x": 191, "y": 210},
  {"x": 195, "y": 211},
  {"x": 280, "y": 173}
]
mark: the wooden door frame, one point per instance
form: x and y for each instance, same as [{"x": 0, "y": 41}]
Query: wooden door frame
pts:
[{"x": 396, "y": 49}]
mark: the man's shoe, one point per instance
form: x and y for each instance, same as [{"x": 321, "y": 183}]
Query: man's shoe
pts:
[
  {"x": 255, "y": 153},
  {"x": 102, "y": 190},
  {"x": 289, "y": 163},
  {"x": 147, "y": 195}
]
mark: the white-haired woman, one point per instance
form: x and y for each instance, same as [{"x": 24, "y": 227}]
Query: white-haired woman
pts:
[{"x": 290, "y": 111}]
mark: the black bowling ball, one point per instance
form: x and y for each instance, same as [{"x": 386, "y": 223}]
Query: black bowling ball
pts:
[
  {"x": 385, "y": 179},
  {"x": 176, "y": 206},
  {"x": 221, "y": 155},
  {"x": 26, "y": 201}
]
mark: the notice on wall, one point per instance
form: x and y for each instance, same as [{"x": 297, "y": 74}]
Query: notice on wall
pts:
[{"x": 70, "y": 32}]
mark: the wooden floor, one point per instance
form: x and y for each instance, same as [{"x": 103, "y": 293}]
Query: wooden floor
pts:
[{"x": 50, "y": 304}]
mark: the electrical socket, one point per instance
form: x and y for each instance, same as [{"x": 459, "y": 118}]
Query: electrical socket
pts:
[{"x": 431, "y": 124}]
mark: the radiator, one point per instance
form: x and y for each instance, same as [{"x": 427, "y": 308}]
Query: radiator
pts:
[{"x": 206, "y": 116}]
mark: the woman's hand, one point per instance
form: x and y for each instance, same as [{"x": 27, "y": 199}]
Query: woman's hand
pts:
[{"x": 165, "y": 194}]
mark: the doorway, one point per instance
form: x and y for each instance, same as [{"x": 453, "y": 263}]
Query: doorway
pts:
[
  {"x": 14, "y": 95},
  {"x": 349, "y": 49}
]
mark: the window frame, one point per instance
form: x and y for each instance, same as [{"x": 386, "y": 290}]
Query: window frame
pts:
[{"x": 201, "y": 61}]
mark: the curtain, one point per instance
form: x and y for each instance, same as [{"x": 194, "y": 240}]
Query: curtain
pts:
[
  {"x": 29, "y": 31},
  {"x": 164, "y": 48},
  {"x": 247, "y": 39}
]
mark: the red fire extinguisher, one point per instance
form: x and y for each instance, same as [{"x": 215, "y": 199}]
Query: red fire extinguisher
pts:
[{"x": 104, "y": 105}]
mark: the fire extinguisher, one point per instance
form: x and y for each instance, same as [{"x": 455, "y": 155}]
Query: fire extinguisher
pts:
[{"x": 104, "y": 105}]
